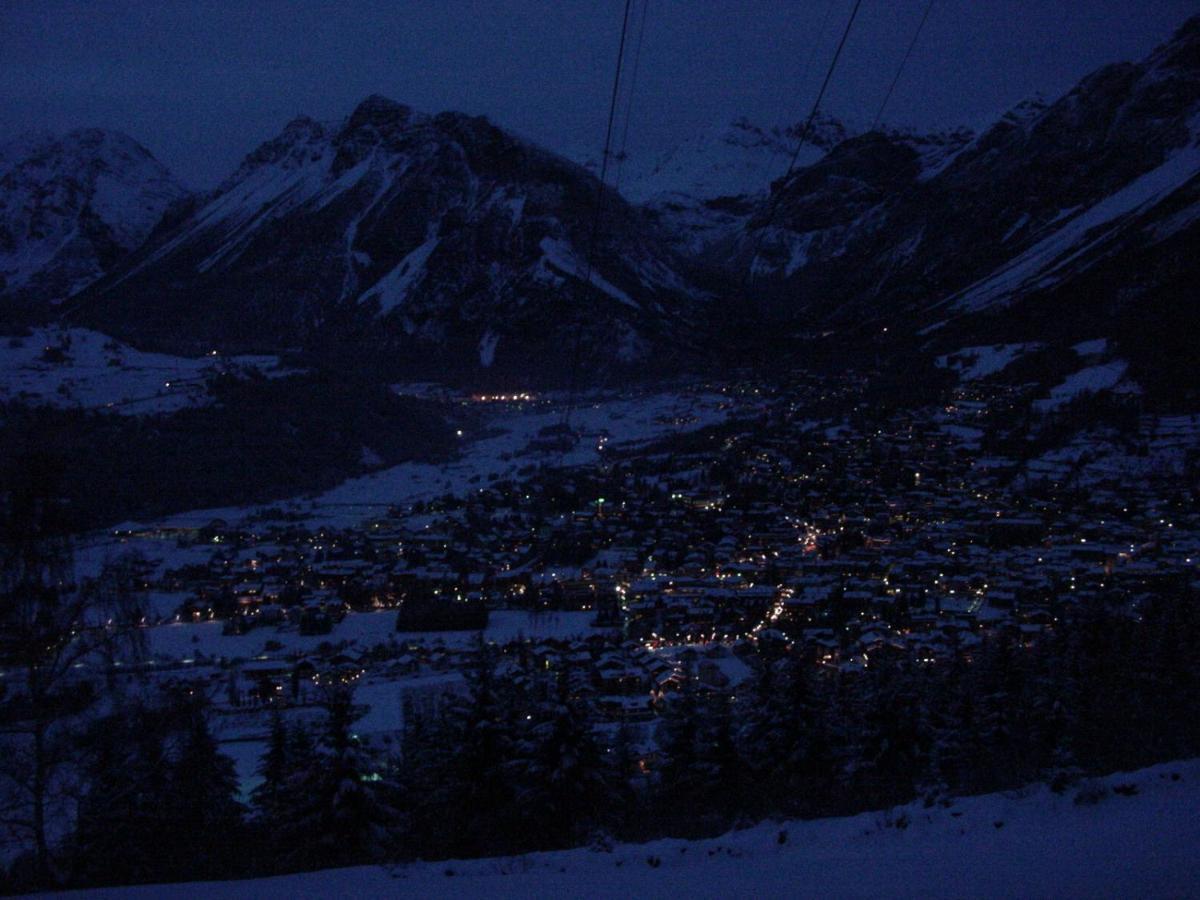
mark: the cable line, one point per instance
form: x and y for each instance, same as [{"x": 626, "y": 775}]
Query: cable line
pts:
[
  {"x": 773, "y": 208},
  {"x": 812, "y": 47},
  {"x": 597, "y": 212},
  {"x": 903, "y": 62},
  {"x": 637, "y": 58}
]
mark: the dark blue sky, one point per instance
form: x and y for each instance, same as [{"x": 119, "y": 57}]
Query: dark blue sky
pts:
[{"x": 201, "y": 83}]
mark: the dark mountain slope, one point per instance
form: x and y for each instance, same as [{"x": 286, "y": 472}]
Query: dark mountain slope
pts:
[{"x": 431, "y": 245}]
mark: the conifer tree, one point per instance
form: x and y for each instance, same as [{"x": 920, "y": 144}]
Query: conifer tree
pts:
[
  {"x": 564, "y": 789},
  {"x": 338, "y": 808},
  {"x": 273, "y": 769}
]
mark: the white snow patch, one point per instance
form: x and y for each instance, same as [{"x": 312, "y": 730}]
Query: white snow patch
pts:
[
  {"x": 1016, "y": 226},
  {"x": 1086, "y": 381},
  {"x": 979, "y": 362},
  {"x": 487, "y": 348},
  {"x": 562, "y": 256},
  {"x": 392, "y": 289},
  {"x": 516, "y": 206},
  {"x": 1091, "y": 348},
  {"x": 798, "y": 253},
  {"x": 350, "y": 280},
  {"x": 184, "y": 640},
  {"x": 907, "y": 247}
]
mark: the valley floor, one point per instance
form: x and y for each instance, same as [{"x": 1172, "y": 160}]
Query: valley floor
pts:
[{"x": 1135, "y": 835}]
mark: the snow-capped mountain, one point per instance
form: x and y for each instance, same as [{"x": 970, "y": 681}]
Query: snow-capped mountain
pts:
[
  {"x": 729, "y": 161},
  {"x": 703, "y": 189},
  {"x": 71, "y": 206},
  {"x": 1078, "y": 211},
  {"x": 442, "y": 244},
  {"x": 413, "y": 234}
]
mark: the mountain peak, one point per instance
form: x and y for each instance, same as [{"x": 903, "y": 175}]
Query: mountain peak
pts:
[
  {"x": 379, "y": 112},
  {"x": 1182, "y": 51},
  {"x": 74, "y": 204}
]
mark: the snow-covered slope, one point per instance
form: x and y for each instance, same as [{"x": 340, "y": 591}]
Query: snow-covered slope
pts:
[
  {"x": 1062, "y": 252},
  {"x": 432, "y": 236},
  {"x": 71, "y": 206},
  {"x": 81, "y": 369},
  {"x": 1128, "y": 835}
]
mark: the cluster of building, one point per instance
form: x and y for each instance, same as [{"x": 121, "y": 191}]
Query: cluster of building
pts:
[{"x": 821, "y": 523}]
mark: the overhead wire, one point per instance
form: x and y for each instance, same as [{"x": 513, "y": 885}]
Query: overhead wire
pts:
[
  {"x": 802, "y": 138},
  {"x": 811, "y": 54},
  {"x": 773, "y": 208},
  {"x": 637, "y": 59},
  {"x": 598, "y": 210},
  {"x": 903, "y": 62}
]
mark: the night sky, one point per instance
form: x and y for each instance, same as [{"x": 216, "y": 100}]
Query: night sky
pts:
[{"x": 202, "y": 83}]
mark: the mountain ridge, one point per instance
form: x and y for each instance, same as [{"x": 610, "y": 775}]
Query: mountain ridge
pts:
[
  {"x": 1002, "y": 232},
  {"x": 436, "y": 231},
  {"x": 441, "y": 245}
]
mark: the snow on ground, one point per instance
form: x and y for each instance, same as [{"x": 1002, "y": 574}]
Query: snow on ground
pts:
[
  {"x": 1095, "y": 457},
  {"x": 99, "y": 372},
  {"x": 1097, "y": 347},
  {"x": 386, "y": 699},
  {"x": 966, "y": 435},
  {"x": 1105, "y": 376},
  {"x": 1139, "y": 842},
  {"x": 392, "y": 289},
  {"x": 487, "y": 348},
  {"x": 187, "y": 641},
  {"x": 243, "y": 733},
  {"x": 979, "y": 362},
  {"x": 626, "y": 421}
]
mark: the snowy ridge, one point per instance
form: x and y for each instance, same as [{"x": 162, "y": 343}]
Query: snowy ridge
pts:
[
  {"x": 1050, "y": 258},
  {"x": 1131, "y": 834},
  {"x": 255, "y": 194},
  {"x": 902, "y": 230}
]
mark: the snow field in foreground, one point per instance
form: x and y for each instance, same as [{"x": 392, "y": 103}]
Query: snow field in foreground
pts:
[{"x": 1138, "y": 840}]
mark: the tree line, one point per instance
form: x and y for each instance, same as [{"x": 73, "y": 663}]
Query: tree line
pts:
[{"x": 515, "y": 762}]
